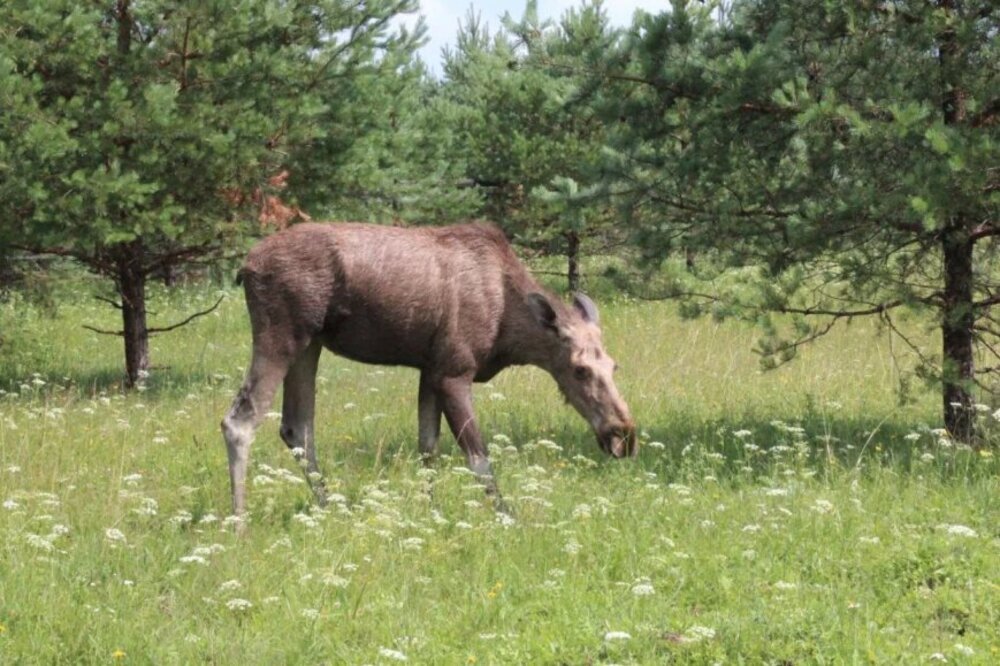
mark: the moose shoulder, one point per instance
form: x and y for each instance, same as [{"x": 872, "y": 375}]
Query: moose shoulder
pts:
[{"x": 453, "y": 302}]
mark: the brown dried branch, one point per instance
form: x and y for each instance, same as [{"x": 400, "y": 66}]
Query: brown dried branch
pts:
[{"x": 164, "y": 329}]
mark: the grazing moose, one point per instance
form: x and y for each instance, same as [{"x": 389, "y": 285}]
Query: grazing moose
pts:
[{"x": 453, "y": 302}]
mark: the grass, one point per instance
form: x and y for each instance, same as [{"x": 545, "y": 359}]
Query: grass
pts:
[{"x": 796, "y": 516}]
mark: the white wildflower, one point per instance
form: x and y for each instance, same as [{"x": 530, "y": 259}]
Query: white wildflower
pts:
[
  {"x": 617, "y": 636},
  {"x": 238, "y": 605},
  {"x": 232, "y": 521},
  {"x": 333, "y": 580},
  {"x": 964, "y": 650},
  {"x": 194, "y": 559},
  {"x": 114, "y": 535},
  {"x": 959, "y": 530},
  {"x": 394, "y": 655},
  {"x": 572, "y": 547},
  {"x": 230, "y": 586},
  {"x": 643, "y": 588},
  {"x": 305, "y": 520},
  {"x": 413, "y": 543},
  {"x": 506, "y": 520},
  {"x": 182, "y": 517},
  {"x": 697, "y": 633},
  {"x": 39, "y": 542},
  {"x": 149, "y": 507},
  {"x": 822, "y": 506},
  {"x": 310, "y": 613},
  {"x": 657, "y": 445}
]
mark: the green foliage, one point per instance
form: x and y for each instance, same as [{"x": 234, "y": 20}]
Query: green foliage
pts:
[
  {"x": 132, "y": 120},
  {"x": 526, "y": 131},
  {"x": 139, "y": 135},
  {"x": 842, "y": 148}
]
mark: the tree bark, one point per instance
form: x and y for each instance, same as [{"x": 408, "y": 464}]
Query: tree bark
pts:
[
  {"x": 958, "y": 318},
  {"x": 131, "y": 282},
  {"x": 572, "y": 260}
]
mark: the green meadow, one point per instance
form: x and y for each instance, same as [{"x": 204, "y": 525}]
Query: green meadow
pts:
[{"x": 804, "y": 515}]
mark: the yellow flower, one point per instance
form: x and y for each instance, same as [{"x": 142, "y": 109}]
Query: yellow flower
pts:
[
  {"x": 3, "y": 628},
  {"x": 472, "y": 659},
  {"x": 118, "y": 654},
  {"x": 495, "y": 590}
]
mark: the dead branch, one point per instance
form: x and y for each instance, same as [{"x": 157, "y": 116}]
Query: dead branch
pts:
[
  {"x": 103, "y": 331},
  {"x": 164, "y": 329},
  {"x": 110, "y": 301}
]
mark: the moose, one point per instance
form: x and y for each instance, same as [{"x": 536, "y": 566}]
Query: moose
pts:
[{"x": 453, "y": 302}]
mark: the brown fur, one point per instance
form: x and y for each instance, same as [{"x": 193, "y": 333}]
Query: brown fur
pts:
[{"x": 452, "y": 302}]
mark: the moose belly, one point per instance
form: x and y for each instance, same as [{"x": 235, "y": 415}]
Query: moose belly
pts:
[{"x": 371, "y": 336}]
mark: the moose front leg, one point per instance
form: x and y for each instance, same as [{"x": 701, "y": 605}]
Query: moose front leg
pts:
[
  {"x": 456, "y": 400},
  {"x": 298, "y": 410}
]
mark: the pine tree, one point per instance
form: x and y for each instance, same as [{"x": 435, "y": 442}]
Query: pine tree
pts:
[
  {"x": 840, "y": 159},
  {"x": 129, "y": 129}
]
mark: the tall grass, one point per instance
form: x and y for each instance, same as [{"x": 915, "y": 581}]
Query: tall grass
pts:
[{"x": 795, "y": 516}]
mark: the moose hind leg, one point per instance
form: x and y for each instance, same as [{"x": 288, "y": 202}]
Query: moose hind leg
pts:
[
  {"x": 244, "y": 416},
  {"x": 429, "y": 420},
  {"x": 298, "y": 411}
]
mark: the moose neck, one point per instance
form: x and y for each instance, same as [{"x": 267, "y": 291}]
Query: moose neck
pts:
[{"x": 523, "y": 340}]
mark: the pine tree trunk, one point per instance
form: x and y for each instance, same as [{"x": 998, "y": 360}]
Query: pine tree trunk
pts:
[
  {"x": 572, "y": 260},
  {"x": 131, "y": 281},
  {"x": 957, "y": 322},
  {"x": 958, "y": 315}
]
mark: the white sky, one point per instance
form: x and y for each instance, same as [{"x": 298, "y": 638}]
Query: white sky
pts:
[{"x": 442, "y": 17}]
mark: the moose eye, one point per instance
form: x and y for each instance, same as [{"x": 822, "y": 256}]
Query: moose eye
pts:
[{"x": 582, "y": 373}]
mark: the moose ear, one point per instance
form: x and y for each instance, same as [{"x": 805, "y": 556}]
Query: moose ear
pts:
[
  {"x": 586, "y": 308},
  {"x": 542, "y": 310}
]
